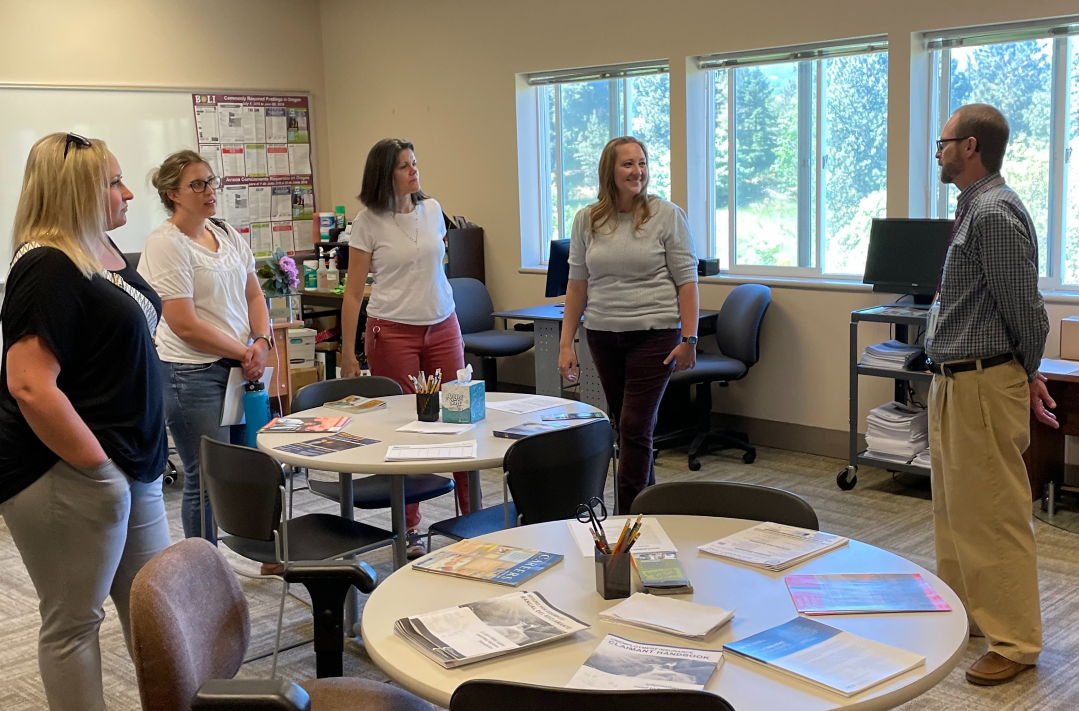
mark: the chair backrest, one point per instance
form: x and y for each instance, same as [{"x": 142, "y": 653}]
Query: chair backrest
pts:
[
  {"x": 317, "y": 394},
  {"x": 133, "y": 258},
  {"x": 189, "y": 623},
  {"x": 244, "y": 486},
  {"x": 550, "y": 474},
  {"x": 473, "y": 305},
  {"x": 738, "y": 327},
  {"x": 483, "y": 695},
  {"x": 729, "y": 499}
]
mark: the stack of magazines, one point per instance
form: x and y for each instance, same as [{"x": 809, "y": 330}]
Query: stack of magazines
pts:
[
  {"x": 773, "y": 546},
  {"x": 897, "y": 432},
  {"x": 890, "y": 354},
  {"x": 489, "y": 628}
]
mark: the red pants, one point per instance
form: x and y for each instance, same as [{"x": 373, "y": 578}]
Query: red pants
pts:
[{"x": 398, "y": 350}]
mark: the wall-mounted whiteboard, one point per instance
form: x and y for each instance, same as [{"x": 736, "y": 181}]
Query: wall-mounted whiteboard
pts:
[{"x": 141, "y": 127}]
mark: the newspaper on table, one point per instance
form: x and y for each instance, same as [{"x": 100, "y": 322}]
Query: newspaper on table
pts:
[
  {"x": 620, "y": 664},
  {"x": 488, "y": 628},
  {"x": 653, "y": 538},
  {"x": 773, "y": 546},
  {"x": 663, "y": 614},
  {"x": 825, "y": 657}
]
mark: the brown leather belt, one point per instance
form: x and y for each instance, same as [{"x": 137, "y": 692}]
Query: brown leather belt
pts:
[{"x": 964, "y": 366}]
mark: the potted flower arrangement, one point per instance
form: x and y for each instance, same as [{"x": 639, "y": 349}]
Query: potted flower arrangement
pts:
[{"x": 280, "y": 277}]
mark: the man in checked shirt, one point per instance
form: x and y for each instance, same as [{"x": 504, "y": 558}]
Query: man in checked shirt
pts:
[{"x": 985, "y": 338}]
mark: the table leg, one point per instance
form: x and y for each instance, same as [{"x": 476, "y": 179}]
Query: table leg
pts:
[
  {"x": 548, "y": 380},
  {"x": 397, "y": 518},
  {"x": 474, "y": 498},
  {"x": 352, "y": 600}
]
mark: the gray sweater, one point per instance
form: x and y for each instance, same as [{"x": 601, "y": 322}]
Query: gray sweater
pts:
[{"x": 633, "y": 276}]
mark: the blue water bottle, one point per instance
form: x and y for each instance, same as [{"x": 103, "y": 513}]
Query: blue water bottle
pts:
[{"x": 256, "y": 409}]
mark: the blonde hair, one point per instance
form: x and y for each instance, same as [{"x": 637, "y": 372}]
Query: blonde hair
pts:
[
  {"x": 606, "y": 207},
  {"x": 63, "y": 203},
  {"x": 167, "y": 177}
]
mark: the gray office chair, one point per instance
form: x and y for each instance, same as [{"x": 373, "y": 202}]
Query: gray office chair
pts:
[
  {"x": 738, "y": 335},
  {"x": 726, "y": 499},
  {"x": 483, "y": 695},
  {"x": 474, "y": 313}
]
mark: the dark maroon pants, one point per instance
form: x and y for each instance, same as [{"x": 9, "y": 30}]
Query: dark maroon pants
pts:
[{"x": 631, "y": 370}]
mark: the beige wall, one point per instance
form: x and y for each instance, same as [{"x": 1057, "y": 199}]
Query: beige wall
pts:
[
  {"x": 442, "y": 75},
  {"x": 230, "y": 44}
]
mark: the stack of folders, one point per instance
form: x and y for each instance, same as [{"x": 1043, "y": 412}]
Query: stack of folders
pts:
[
  {"x": 662, "y": 573},
  {"x": 890, "y": 354},
  {"x": 897, "y": 432},
  {"x": 773, "y": 546},
  {"x": 663, "y": 614},
  {"x": 489, "y": 628}
]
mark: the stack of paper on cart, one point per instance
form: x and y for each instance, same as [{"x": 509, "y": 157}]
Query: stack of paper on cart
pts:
[
  {"x": 921, "y": 459},
  {"x": 773, "y": 546},
  {"x": 890, "y": 354},
  {"x": 897, "y": 432}
]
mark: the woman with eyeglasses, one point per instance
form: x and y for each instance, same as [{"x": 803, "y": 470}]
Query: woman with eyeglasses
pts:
[
  {"x": 215, "y": 317},
  {"x": 82, "y": 432}
]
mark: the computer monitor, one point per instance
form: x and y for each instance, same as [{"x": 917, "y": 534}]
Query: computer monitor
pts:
[
  {"x": 906, "y": 256},
  {"x": 558, "y": 268}
]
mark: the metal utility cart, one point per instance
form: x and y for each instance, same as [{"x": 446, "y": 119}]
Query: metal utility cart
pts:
[{"x": 903, "y": 317}]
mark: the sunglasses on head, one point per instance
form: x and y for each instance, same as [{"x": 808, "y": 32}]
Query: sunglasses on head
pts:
[{"x": 74, "y": 139}]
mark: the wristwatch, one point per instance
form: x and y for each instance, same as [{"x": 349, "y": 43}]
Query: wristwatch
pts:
[
  {"x": 691, "y": 340},
  {"x": 266, "y": 337}
]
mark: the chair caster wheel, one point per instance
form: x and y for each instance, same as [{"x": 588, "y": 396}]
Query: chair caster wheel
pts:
[
  {"x": 749, "y": 457},
  {"x": 694, "y": 465},
  {"x": 847, "y": 479},
  {"x": 169, "y": 477}
]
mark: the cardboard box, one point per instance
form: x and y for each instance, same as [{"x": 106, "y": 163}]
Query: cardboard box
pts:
[
  {"x": 301, "y": 363},
  {"x": 302, "y": 377},
  {"x": 301, "y": 344},
  {"x": 464, "y": 403},
  {"x": 1069, "y": 338}
]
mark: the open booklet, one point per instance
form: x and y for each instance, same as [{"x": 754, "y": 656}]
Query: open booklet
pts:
[
  {"x": 621, "y": 664},
  {"x": 825, "y": 656},
  {"x": 489, "y": 628},
  {"x": 773, "y": 546}
]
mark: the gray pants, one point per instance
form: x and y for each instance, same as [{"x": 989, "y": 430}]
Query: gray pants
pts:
[{"x": 83, "y": 534}]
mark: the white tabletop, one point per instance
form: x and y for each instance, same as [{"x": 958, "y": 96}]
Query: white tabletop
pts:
[
  {"x": 400, "y": 410},
  {"x": 761, "y": 599}
]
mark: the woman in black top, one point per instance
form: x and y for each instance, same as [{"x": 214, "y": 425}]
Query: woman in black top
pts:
[{"x": 82, "y": 433}]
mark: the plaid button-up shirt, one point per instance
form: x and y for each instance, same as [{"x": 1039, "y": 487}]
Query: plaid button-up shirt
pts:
[{"x": 989, "y": 298}]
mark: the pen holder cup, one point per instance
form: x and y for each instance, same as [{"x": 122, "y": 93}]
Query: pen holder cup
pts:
[
  {"x": 615, "y": 575},
  {"x": 427, "y": 408}
]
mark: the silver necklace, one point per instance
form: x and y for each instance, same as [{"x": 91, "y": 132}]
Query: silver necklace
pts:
[{"x": 415, "y": 237}]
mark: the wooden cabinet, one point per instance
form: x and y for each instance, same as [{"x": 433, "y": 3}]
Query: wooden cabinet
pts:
[{"x": 280, "y": 389}]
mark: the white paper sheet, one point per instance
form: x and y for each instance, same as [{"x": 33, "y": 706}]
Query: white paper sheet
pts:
[
  {"x": 232, "y": 161},
  {"x": 281, "y": 203},
  {"x": 230, "y": 122},
  {"x": 665, "y": 614},
  {"x": 276, "y": 124},
  {"x": 255, "y": 157},
  {"x": 232, "y": 412},
  {"x": 261, "y": 239},
  {"x": 449, "y": 428},
  {"x": 206, "y": 123},
  {"x": 653, "y": 538},
  {"x": 525, "y": 405},
  {"x": 413, "y": 452},
  {"x": 277, "y": 160},
  {"x": 234, "y": 204},
  {"x": 212, "y": 155},
  {"x": 254, "y": 124},
  {"x": 282, "y": 237},
  {"x": 258, "y": 200},
  {"x": 299, "y": 159}
]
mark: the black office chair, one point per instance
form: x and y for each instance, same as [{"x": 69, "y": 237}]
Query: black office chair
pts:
[
  {"x": 483, "y": 695},
  {"x": 738, "y": 335},
  {"x": 474, "y": 308},
  {"x": 371, "y": 492},
  {"x": 548, "y": 475},
  {"x": 133, "y": 258},
  {"x": 247, "y": 494},
  {"x": 726, "y": 499}
]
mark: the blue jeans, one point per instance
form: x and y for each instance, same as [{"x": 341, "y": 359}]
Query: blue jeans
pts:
[{"x": 194, "y": 397}]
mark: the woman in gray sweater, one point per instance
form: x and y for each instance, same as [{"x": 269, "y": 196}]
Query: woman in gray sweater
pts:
[{"x": 633, "y": 274}]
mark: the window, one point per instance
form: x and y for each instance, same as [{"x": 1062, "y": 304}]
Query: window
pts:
[
  {"x": 800, "y": 138},
  {"x": 579, "y": 111},
  {"x": 1029, "y": 72}
]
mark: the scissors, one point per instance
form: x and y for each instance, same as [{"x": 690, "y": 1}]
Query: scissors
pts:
[{"x": 586, "y": 513}]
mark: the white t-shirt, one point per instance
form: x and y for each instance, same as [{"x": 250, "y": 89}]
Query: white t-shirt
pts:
[
  {"x": 178, "y": 268},
  {"x": 410, "y": 284}
]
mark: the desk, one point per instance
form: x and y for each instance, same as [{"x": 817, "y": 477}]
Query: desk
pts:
[
  {"x": 760, "y": 601},
  {"x": 1045, "y": 456},
  {"x": 548, "y": 321}
]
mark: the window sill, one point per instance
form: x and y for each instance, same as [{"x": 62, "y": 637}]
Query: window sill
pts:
[{"x": 1061, "y": 297}]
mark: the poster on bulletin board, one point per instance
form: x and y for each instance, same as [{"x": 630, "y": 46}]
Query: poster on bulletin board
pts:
[{"x": 260, "y": 147}]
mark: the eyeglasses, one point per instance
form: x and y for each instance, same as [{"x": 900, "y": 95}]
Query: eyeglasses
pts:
[
  {"x": 942, "y": 141},
  {"x": 74, "y": 139},
  {"x": 199, "y": 186}
]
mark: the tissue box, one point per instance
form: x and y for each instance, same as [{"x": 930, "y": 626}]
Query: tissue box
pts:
[{"x": 463, "y": 403}]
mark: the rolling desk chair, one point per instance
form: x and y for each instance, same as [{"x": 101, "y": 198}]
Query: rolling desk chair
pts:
[{"x": 475, "y": 312}]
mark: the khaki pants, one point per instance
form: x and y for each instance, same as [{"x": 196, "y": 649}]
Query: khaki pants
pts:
[{"x": 979, "y": 427}]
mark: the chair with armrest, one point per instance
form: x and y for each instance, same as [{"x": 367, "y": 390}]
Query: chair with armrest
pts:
[
  {"x": 475, "y": 314},
  {"x": 484, "y": 695},
  {"x": 726, "y": 499},
  {"x": 247, "y": 493},
  {"x": 189, "y": 632},
  {"x": 371, "y": 492},
  {"x": 738, "y": 335},
  {"x": 547, "y": 475}
]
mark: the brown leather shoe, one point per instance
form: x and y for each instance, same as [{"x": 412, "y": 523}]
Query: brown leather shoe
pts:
[
  {"x": 992, "y": 669},
  {"x": 272, "y": 569}
]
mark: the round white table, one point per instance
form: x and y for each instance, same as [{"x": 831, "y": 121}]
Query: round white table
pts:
[{"x": 760, "y": 600}]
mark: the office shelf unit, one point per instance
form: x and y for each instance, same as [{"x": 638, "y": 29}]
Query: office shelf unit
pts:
[{"x": 903, "y": 317}]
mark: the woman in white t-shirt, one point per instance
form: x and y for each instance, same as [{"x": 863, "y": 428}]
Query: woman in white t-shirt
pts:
[
  {"x": 215, "y": 316},
  {"x": 411, "y": 324}
]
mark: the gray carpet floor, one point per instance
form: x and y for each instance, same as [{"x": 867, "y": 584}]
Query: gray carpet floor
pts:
[{"x": 894, "y": 515}]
